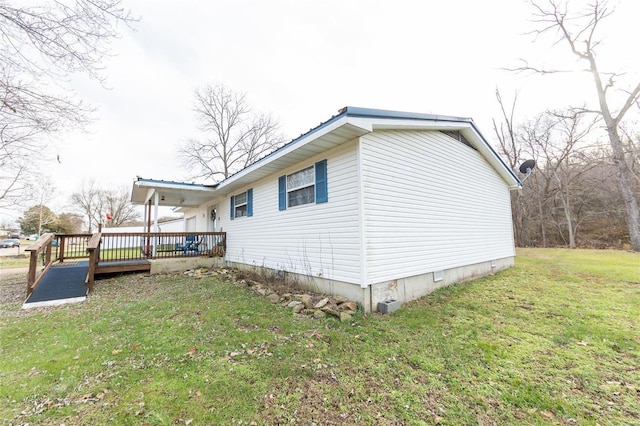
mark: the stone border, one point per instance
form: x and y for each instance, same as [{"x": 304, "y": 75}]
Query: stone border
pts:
[{"x": 302, "y": 303}]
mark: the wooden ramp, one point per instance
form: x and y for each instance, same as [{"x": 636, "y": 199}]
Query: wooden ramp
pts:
[
  {"x": 62, "y": 283},
  {"x": 65, "y": 282}
]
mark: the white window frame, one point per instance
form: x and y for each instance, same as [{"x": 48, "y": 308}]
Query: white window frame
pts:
[
  {"x": 303, "y": 186},
  {"x": 244, "y": 211}
]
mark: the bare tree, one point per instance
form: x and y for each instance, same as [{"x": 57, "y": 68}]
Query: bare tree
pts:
[
  {"x": 632, "y": 151},
  {"x": 510, "y": 146},
  {"x": 568, "y": 159},
  {"x": 580, "y": 33},
  {"x": 233, "y": 135},
  {"x": 118, "y": 204},
  {"x": 87, "y": 201},
  {"x": 94, "y": 202},
  {"x": 41, "y": 46}
]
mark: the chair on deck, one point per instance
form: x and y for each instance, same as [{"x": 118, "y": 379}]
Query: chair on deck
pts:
[{"x": 191, "y": 243}]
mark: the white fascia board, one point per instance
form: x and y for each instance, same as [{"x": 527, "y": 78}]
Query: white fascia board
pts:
[
  {"x": 174, "y": 185},
  {"x": 292, "y": 146},
  {"x": 365, "y": 124},
  {"x": 411, "y": 124}
]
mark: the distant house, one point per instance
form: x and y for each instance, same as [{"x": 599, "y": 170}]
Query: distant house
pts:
[
  {"x": 373, "y": 205},
  {"x": 173, "y": 225}
]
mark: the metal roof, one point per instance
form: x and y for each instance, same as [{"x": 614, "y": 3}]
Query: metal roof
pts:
[{"x": 348, "y": 124}]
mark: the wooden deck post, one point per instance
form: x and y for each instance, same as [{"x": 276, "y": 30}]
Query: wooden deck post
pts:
[
  {"x": 93, "y": 248},
  {"x": 31, "y": 277}
]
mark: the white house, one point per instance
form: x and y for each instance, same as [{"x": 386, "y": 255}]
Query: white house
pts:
[
  {"x": 373, "y": 205},
  {"x": 173, "y": 225}
]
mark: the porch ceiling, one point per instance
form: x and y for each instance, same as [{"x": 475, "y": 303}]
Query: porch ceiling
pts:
[{"x": 171, "y": 194}]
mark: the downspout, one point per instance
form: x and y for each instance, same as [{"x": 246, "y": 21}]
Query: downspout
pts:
[{"x": 362, "y": 237}]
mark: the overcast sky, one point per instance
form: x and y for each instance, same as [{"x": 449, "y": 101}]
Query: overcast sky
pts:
[{"x": 302, "y": 61}]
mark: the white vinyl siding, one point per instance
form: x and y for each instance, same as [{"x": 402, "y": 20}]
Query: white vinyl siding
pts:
[
  {"x": 190, "y": 224},
  {"x": 430, "y": 203},
  {"x": 312, "y": 239}
]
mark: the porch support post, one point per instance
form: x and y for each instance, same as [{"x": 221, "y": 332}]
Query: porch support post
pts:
[
  {"x": 156, "y": 201},
  {"x": 147, "y": 208},
  {"x": 147, "y": 243}
]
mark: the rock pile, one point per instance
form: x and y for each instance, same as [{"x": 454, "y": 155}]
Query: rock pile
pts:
[{"x": 300, "y": 302}]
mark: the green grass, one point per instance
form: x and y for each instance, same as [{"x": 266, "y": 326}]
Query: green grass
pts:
[
  {"x": 554, "y": 340},
  {"x": 8, "y": 262}
]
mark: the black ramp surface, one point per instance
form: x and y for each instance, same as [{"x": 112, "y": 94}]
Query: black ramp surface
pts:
[{"x": 61, "y": 282}]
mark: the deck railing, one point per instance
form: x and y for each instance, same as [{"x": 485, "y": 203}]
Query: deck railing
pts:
[
  {"x": 118, "y": 247},
  {"x": 40, "y": 250},
  {"x": 70, "y": 246},
  {"x": 123, "y": 246}
]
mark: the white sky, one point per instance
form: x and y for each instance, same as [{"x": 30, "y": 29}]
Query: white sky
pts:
[{"x": 302, "y": 61}]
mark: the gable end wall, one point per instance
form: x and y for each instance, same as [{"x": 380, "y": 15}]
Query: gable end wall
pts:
[{"x": 430, "y": 203}]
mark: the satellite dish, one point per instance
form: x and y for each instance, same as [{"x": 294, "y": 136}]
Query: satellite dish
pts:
[{"x": 527, "y": 167}]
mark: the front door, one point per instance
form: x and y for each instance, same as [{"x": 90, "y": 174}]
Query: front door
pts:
[{"x": 213, "y": 219}]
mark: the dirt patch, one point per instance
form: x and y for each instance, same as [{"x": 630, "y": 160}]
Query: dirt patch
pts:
[{"x": 13, "y": 286}]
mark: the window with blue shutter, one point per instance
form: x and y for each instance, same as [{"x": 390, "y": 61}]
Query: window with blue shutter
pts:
[
  {"x": 322, "y": 195},
  {"x": 242, "y": 204},
  {"x": 282, "y": 193},
  {"x": 306, "y": 186}
]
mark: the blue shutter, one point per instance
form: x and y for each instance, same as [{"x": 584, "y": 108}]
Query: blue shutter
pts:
[
  {"x": 232, "y": 206},
  {"x": 282, "y": 192},
  {"x": 250, "y": 202},
  {"x": 322, "y": 195}
]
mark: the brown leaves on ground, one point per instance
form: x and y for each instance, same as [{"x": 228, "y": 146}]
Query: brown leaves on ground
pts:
[{"x": 13, "y": 288}]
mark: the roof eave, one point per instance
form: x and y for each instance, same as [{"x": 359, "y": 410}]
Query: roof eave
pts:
[
  {"x": 339, "y": 129},
  {"x": 170, "y": 193}
]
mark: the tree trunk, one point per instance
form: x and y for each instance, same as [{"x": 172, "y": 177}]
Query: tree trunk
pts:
[
  {"x": 525, "y": 231},
  {"x": 567, "y": 216},
  {"x": 624, "y": 173},
  {"x": 624, "y": 180},
  {"x": 542, "y": 230}
]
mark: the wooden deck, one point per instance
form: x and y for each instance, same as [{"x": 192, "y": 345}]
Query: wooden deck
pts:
[
  {"x": 111, "y": 267},
  {"x": 104, "y": 253}
]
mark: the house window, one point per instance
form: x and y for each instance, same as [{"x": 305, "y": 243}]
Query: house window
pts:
[
  {"x": 242, "y": 204},
  {"x": 301, "y": 187},
  {"x": 306, "y": 186}
]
